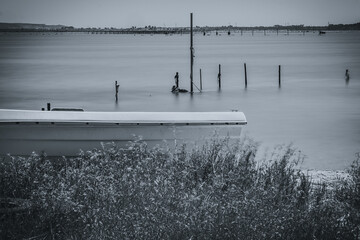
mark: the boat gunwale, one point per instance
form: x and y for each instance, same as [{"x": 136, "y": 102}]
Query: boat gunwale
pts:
[
  {"x": 124, "y": 118},
  {"x": 102, "y": 123}
]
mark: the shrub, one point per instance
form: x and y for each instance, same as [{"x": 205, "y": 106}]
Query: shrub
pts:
[{"x": 215, "y": 191}]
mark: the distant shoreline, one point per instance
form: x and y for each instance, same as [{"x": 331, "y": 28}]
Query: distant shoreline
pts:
[{"x": 27, "y": 27}]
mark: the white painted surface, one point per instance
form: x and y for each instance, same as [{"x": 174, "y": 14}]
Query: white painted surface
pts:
[
  {"x": 122, "y": 117},
  {"x": 65, "y": 133}
]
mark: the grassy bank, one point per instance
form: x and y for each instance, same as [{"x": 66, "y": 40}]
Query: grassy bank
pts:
[{"x": 216, "y": 191}]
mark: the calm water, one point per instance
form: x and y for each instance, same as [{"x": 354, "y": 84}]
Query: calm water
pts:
[{"x": 314, "y": 108}]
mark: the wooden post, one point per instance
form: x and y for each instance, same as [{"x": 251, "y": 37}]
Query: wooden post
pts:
[
  {"x": 200, "y": 80},
  {"x": 177, "y": 80},
  {"x": 279, "y": 76},
  {"x": 219, "y": 76},
  {"x": 48, "y": 106},
  {"x": 245, "y": 75},
  {"x": 116, "y": 90},
  {"x": 191, "y": 54}
]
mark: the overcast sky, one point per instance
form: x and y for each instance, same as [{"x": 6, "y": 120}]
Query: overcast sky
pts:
[{"x": 127, "y": 13}]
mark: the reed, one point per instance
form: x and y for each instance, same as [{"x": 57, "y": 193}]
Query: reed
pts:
[{"x": 215, "y": 191}]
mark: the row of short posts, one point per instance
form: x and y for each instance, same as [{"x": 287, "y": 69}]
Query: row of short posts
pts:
[
  {"x": 252, "y": 32},
  {"x": 245, "y": 72},
  {"x": 177, "y": 82}
]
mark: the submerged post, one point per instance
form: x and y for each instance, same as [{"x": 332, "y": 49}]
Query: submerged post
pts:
[
  {"x": 177, "y": 80},
  {"x": 219, "y": 76},
  {"x": 191, "y": 54},
  {"x": 200, "y": 80},
  {"x": 116, "y": 90},
  {"x": 279, "y": 76},
  {"x": 245, "y": 75},
  {"x": 48, "y": 106}
]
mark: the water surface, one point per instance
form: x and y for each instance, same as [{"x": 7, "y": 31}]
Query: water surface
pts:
[{"x": 315, "y": 108}]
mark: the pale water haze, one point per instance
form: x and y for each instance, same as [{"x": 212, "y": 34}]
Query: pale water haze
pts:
[{"x": 315, "y": 108}]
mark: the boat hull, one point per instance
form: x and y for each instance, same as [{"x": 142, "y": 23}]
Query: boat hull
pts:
[{"x": 66, "y": 138}]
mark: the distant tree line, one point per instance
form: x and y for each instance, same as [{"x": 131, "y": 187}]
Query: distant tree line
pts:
[{"x": 25, "y": 27}]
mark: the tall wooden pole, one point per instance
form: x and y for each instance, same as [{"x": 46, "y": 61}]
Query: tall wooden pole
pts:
[{"x": 191, "y": 54}]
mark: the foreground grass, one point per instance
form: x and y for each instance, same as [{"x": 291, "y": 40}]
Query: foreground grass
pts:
[{"x": 216, "y": 191}]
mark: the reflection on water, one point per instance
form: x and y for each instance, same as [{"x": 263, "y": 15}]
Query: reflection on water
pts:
[{"x": 315, "y": 108}]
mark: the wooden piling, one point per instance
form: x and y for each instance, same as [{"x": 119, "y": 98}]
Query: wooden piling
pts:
[
  {"x": 219, "y": 76},
  {"x": 116, "y": 90},
  {"x": 48, "y": 106},
  {"x": 177, "y": 80},
  {"x": 279, "y": 76},
  {"x": 245, "y": 75},
  {"x": 191, "y": 54},
  {"x": 200, "y": 80}
]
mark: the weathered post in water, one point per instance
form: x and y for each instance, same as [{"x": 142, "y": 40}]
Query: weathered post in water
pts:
[
  {"x": 219, "y": 76},
  {"x": 245, "y": 75},
  {"x": 116, "y": 90},
  {"x": 279, "y": 76},
  {"x": 200, "y": 80},
  {"x": 177, "y": 80},
  {"x": 48, "y": 106},
  {"x": 191, "y": 54}
]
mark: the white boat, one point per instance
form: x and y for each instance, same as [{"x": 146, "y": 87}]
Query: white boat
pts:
[{"x": 64, "y": 133}]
